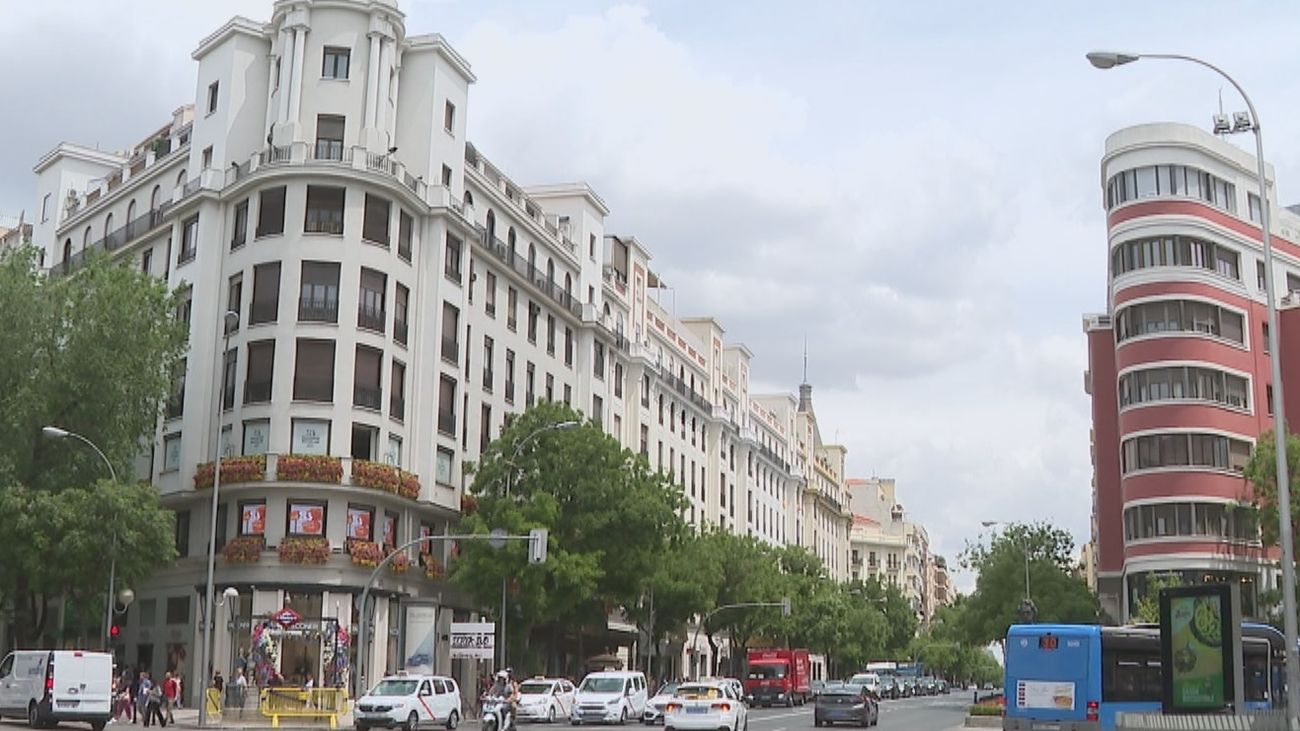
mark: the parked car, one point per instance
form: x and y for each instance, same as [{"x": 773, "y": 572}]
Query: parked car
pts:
[
  {"x": 545, "y": 699},
  {"x": 48, "y": 686},
  {"x": 408, "y": 702},
  {"x": 888, "y": 687},
  {"x": 706, "y": 706},
  {"x": 609, "y": 697},
  {"x": 654, "y": 708},
  {"x": 847, "y": 704}
]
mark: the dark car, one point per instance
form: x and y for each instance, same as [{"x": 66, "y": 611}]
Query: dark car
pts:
[
  {"x": 846, "y": 704},
  {"x": 889, "y": 687}
]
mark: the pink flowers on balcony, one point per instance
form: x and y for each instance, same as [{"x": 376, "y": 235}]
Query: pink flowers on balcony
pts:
[
  {"x": 309, "y": 468},
  {"x": 308, "y": 550},
  {"x": 385, "y": 477},
  {"x": 233, "y": 469}
]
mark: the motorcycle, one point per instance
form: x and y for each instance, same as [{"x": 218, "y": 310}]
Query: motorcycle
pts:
[{"x": 497, "y": 715}]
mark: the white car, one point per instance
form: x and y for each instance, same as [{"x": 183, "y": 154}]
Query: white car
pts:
[
  {"x": 735, "y": 684},
  {"x": 654, "y": 708},
  {"x": 409, "y": 702},
  {"x": 609, "y": 697},
  {"x": 545, "y": 699},
  {"x": 48, "y": 686},
  {"x": 706, "y": 706}
]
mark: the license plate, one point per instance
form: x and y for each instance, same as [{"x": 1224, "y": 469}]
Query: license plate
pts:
[
  {"x": 67, "y": 704},
  {"x": 697, "y": 709}
]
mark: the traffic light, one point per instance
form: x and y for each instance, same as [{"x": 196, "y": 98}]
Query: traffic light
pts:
[
  {"x": 114, "y": 632},
  {"x": 785, "y": 607},
  {"x": 537, "y": 545}
]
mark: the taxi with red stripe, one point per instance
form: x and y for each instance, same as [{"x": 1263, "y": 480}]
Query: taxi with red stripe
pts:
[{"x": 409, "y": 702}]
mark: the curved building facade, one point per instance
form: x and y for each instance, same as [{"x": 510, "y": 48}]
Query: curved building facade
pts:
[{"x": 1179, "y": 370}]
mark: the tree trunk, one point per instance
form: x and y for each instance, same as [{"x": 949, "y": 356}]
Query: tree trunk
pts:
[{"x": 713, "y": 654}]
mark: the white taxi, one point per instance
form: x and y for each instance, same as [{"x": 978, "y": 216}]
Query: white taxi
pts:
[
  {"x": 706, "y": 706},
  {"x": 409, "y": 702},
  {"x": 545, "y": 699}
]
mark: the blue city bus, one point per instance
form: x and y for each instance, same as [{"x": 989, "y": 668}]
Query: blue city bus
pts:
[{"x": 1075, "y": 677}]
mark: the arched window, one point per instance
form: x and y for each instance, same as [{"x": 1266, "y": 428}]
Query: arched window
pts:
[
  {"x": 130, "y": 211},
  {"x": 154, "y": 197},
  {"x": 180, "y": 180},
  {"x": 510, "y": 241},
  {"x": 532, "y": 257},
  {"x": 108, "y": 225},
  {"x": 67, "y": 251},
  {"x": 568, "y": 285},
  {"x": 469, "y": 201},
  {"x": 85, "y": 239},
  {"x": 550, "y": 273},
  {"x": 491, "y": 225},
  {"x": 606, "y": 309}
]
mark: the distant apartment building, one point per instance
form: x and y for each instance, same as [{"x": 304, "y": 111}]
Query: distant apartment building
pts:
[
  {"x": 1179, "y": 364},
  {"x": 399, "y": 297},
  {"x": 885, "y": 545}
]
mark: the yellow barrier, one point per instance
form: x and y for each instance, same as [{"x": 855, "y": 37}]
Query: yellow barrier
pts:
[{"x": 317, "y": 703}]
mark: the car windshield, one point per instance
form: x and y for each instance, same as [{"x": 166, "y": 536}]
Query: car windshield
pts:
[
  {"x": 535, "y": 689},
  {"x": 698, "y": 692},
  {"x": 668, "y": 688},
  {"x": 765, "y": 672},
  {"x": 841, "y": 691},
  {"x": 864, "y": 680},
  {"x": 394, "y": 687},
  {"x": 602, "y": 685}
]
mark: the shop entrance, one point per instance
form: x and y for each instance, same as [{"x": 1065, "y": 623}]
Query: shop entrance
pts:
[{"x": 288, "y": 649}]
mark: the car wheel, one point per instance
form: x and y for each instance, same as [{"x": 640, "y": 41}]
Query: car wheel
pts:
[
  {"x": 98, "y": 725},
  {"x": 453, "y": 720},
  {"x": 817, "y": 722},
  {"x": 33, "y": 719},
  {"x": 362, "y": 727},
  {"x": 412, "y": 722}
]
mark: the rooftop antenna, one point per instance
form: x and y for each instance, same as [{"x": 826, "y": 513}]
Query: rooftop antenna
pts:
[{"x": 805, "y": 358}]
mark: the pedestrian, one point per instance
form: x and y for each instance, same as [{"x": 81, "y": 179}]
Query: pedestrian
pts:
[
  {"x": 154, "y": 705},
  {"x": 142, "y": 688},
  {"x": 309, "y": 685},
  {"x": 218, "y": 682},
  {"x": 180, "y": 689},
  {"x": 239, "y": 686},
  {"x": 170, "y": 693}
]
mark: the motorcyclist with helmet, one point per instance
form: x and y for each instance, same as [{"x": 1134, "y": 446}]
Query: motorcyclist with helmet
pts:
[{"x": 506, "y": 688}]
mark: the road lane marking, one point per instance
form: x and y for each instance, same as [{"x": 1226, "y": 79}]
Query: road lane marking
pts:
[{"x": 757, "y": 718}]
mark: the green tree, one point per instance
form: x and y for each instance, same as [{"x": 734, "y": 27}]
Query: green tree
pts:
[
  {"x": 611, "y": 519},
  {"x": 748, "y": 573},
  {"x": 1147, "y": 607},
  {"x": 900, "y": 618},
  {"x": 679, "y": 588},
  {"x": 1261, "y": 472},
  {"x": 92, "y": 353},
  {"x": 1058, "y": 594}
]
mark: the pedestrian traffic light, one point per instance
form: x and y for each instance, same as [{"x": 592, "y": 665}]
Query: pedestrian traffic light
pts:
[{"x": 114, "y": 632}]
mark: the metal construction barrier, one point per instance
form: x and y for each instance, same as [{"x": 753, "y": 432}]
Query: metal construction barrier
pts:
[
  {"x": 317, "y": 703},
  {"x": 1253, "y": 721}
]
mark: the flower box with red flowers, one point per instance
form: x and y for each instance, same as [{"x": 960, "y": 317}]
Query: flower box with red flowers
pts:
[
  {"x": 309, "y": 468},
  {"x": 233, "y": 469},
  {"x": 432, "y": 567},
  {"x": 244, "y": 549},
  {"x": 388, "y": 478},
  {"x": 400, "y": 564},
  {"x": 365, "y": 553},
  {"x": 304, "y": 550}
]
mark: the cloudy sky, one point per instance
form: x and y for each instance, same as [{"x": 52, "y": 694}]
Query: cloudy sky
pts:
[{"x": 912, "y": 187}]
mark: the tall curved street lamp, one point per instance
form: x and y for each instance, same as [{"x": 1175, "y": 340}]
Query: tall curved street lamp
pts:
[
  {"x": 1111, "y": 59},
  {"x": 54, "y": 432}
]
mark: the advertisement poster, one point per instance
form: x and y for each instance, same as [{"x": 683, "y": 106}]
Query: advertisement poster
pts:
[
  {"x": 421, "y": 623},
  {"x": 1045, "y": 694},
  {"x": 1196, "y": 631},
  {"x": 306, "y": 520},
  {"x": 253, "y": 521},
  {"x": 426, "y": 547},
  {"x": 390, "y": 530},
  {"x": 473, "y": 640},
  {"x": 359, "y": 524}
]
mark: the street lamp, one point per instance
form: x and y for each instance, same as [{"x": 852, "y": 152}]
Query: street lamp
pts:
[
  {"x": 54, "y": 432},
  {"x": 230, "y": 324},
  {"x": 1024, "y": 548},
  {"x": 1110, "y": 59},
  {"x": 519, "y": 448}
]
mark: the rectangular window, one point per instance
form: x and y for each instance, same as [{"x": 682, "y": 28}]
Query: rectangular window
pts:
[
  {"x": 449, "y": 117},
  {"x": 366, "y": 391},
  {"x": 533, "y": 311},
  {"x": 189, "y": 240},
  {"x": 446, "y": 176},
  {"x": 329, "y": 137},
  {"x": 443, "y": 465},
  {"x": 485, "y": 429},
  {"x": 447, "y": 405},
  {"x": 318, "y": 299},
  {"x": 488, "y": 345},
  {"x": 370, "y": 308},
  {"x": 335, "y": 62},
  {"x": 257, "y": 436},
  {"x": 389, "y": 536},
  {"x": 618, "y": 383},
  {"x": 364, "y": 439},
  {"x": 178, "y": 610},
  {"x": 146, "y": 262},
  {"x": 530, "y": 374},
  {"x": 401, "y": 313},
  {"x": 235, "y": 294},
  {"x": 213, "y": 95},
  {"x": 261, "y": 366},
  {"x": 270, "y": 212},
  {"x": 305, "y": 518},
  {"x": 181, "y": 534},
  {"x": 240, "y": 235},
  {"x": 598, "y": 361},
  {"x": 171, "y": 452},
  {"x": 361, "y": 520},
  {"x": 598, "y": 416},
  {"x": 1292, "y": 283},
  {"x": 397, "y": 391},
  {"x": 568, "y": 395},
  {"x": 229, "y": 369},
  {"x": 550, "y": 387},
  {"x": 374, "y": 227},
  {"x": 404, "y": 225},
  {"x": 568, "y": 347},
  {"x": 512, "y": 305},
  {"x": 313, "y": 376},
  {"x": 266, "y": 293},
  {"x": 451, "y": 267},
  {"x": 252, "y": 518},
  {"x": 205, "y": 162},
  {"x": 310, "y": 436},
  {"x": 450, "y": 332},
  {"x": 510, "y": 376},
  {"x": 550, "y": 334},
  {"x": 490, "y": 294},
  {"x": 324, "y": 210},
  {"x": 1256, "y": 214}
]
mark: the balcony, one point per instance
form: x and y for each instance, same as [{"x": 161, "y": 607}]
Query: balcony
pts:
[
  {"x": 396, "y": 407},
  {"x": 134, "y": 229},
  {"x": 331, "y": 150},
  {"x": 684, "y": 390},
  {"x": 316, "y": 310},
  {"x": 400, "y": 331},
  {"x": 616, "y": 278},
  {"x": 367, "y": 397},
  {"x": 450, "y": 349},
  {"x": 257, "y": 391},
  {"x": 528, "y": 272},
  {"x": 323, "y": 222},
  {"x": 370, "y": 318}
]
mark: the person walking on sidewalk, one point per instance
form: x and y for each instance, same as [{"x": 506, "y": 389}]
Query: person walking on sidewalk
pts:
[
  {"x": 170, "y": 691},
  {"x": 153, "y": 706},
  {"x": 238, "y": 689},
  {"x": 143, "y": 684}
]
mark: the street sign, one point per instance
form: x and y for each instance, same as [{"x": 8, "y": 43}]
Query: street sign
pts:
[
  {"x": 473, "y": 640},
  {"x": 497, "y": 538},
  {"x": 785, "y": 607}
]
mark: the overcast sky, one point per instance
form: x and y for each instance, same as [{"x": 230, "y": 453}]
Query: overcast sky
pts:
[{"x": 912, "y": 187}]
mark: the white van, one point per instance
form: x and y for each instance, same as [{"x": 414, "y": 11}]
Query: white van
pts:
[
  {"x": 409, "y": 702},
  {"x": 49, "y": 686},
  {"x": 609, "y": 697}
]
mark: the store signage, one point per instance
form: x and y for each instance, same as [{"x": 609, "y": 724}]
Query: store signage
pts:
[{"x": 286, "y": 617}]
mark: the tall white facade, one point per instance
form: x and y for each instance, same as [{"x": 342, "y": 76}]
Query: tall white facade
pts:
[{"x": 399, "y": 295}]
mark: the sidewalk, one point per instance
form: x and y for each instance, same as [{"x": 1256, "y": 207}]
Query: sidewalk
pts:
[{"x": 249, "y": 718}]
